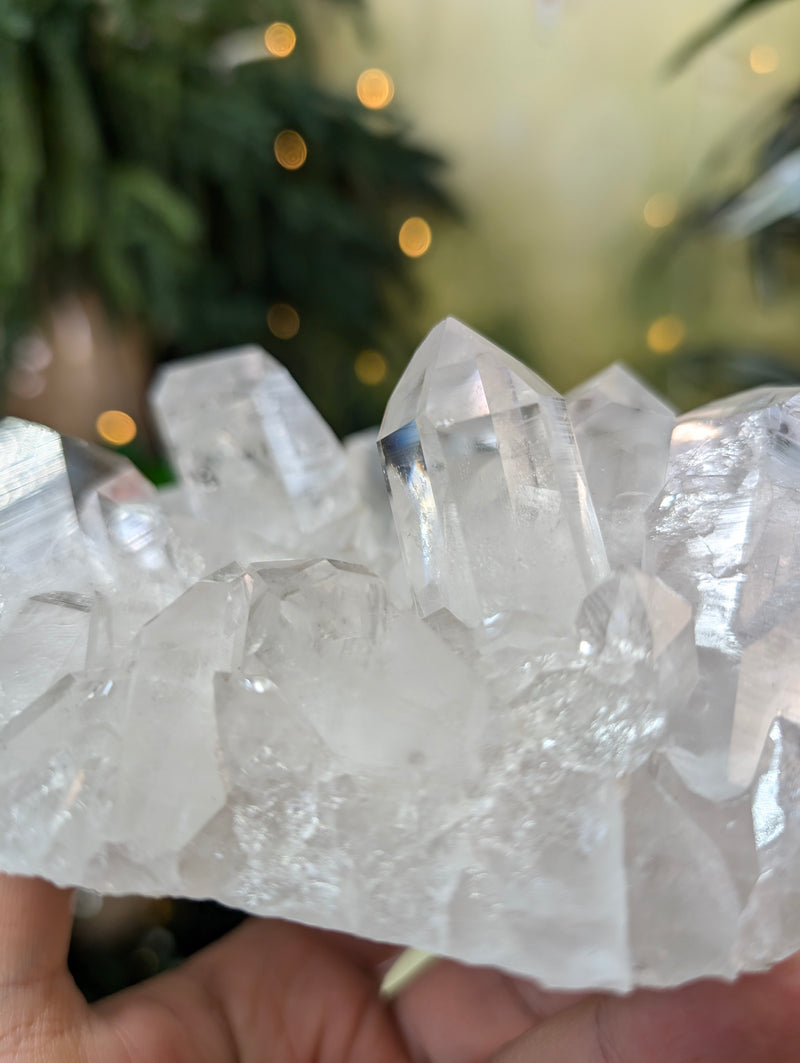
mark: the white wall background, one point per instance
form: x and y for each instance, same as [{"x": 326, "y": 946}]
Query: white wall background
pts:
[{"x": 559, "y": 126}]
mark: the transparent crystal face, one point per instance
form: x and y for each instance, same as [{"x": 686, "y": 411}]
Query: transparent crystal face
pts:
[
  {"x": 623, "y": 434},
  {"x": 471, "y": 434},
  {"x": 236, "y": 425},
  {"x": 446, "y": 723}
]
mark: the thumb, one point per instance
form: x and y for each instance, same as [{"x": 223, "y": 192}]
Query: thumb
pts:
[{"x": 752, "y": 1020}]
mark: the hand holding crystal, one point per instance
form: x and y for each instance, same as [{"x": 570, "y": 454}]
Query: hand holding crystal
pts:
[
  {"x": 286, "y": 993},
  {"x": 540, "y": 715}
]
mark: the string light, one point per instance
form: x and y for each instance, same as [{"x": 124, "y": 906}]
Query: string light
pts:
[
  {"x": 414, "y": 237},
  {"x": 370, "y": 367},
  {"x": 283, "y": 321},
  {"x": 116, "y": 427},
  {"x": 290, "y": 149},
  {"x": 280, "y": 39},
  {"x": 660, "y": 210},
  {"x": 665, "y": 334},
  {"x": 375, "y": 89},
  {"x": 764, "y": 59}
]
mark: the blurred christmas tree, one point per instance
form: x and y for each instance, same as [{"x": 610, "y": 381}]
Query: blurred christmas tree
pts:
[{"x": 179, "y": 161}]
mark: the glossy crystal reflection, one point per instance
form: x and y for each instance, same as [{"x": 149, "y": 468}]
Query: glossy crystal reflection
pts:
[{"x": 487, "y": 486}]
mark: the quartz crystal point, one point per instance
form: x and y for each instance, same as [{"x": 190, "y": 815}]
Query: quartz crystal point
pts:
[
  {"x": 623, "y": 434},
  {"x": 487, "y": 486},
  {"x": 513, "y": 756},
  {"x": 42, "y": 548},
  {"x": 238, "y": 427},
  {"x": 724, "y": 533},
  {"x": 88, "y": 558}
]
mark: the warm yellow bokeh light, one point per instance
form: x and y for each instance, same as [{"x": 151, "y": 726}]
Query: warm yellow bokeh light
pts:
[
  {"x": 665, "y": 334},
  {"x": 116, "y": 427},
  {"x": 283, "y": 321},
  {"x": 290, "y": 149},
  {"x": 414, "y": 237},
  {"x": 375, "y": 89},
  {"x": 764, "y": 59},
  {"x": 370, "y": 367},
  {"x": 280, "y": 39},
  {"x": 660, "y": 210}
]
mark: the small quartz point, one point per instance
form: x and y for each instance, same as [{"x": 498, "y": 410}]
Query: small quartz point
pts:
[
  {"x": 320, "y": 631},
  {"x": 683, "y": 903},
  {"x": 137, "y": 562},
  {"x": 42, "y": 549},
  {"x": 770, "y": 924},
  {"x": 487, "y": 487},
  {"x": 623, "y": 432},
  {"x": 50, "y": 638},
  {"x": 723, "y": 533},
  {"x": 170, "y": 783},
  {"x": 236, "y": 427},
  {"x": 58, "y": 784}
]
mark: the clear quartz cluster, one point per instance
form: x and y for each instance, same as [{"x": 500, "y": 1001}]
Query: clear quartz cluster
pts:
[{"x": 536, "y": 706}]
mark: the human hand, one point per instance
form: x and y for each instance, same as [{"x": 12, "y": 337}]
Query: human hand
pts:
[{"x": 277, "y": 992}]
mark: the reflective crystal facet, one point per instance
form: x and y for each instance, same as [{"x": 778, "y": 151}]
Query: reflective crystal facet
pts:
[
  {"x": 223, "y": 688},
  {"x": 623, "y": 433},
  {"x": 724, "y": 533},
  {"x": 487, "y": 486},
  {"x": 237, "y": 426},
  {"x": 41, "y": 546}
]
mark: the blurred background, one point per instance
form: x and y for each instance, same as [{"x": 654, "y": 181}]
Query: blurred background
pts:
[{"x": 583, "y": 182}]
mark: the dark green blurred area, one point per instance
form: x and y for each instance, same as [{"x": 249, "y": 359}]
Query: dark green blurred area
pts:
[{"x": 137, "y": 165}]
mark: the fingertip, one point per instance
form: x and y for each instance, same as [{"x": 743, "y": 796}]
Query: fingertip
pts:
[
  {"x": 35, "y": 925},
  {"x": 752, "y": 1020}
]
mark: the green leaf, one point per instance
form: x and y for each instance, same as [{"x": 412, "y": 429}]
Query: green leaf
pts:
[
  {"x": 712, "y": 30},
  {"x": 20, "y": 168},
  {"x": 139, "y": 185},
  {"x": 73, "y": 140}
]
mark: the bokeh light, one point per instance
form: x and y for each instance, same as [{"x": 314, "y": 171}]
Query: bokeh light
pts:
[
  {"x": 290, "y": 149},
  {"x": 283, "y": 321},
  {"x": 116, "y": 427},
  {"x": 660, "y": 210},
  {"x": 414, "y": 237},
  {"x": 375, "y": 89},
  {"x": 370, "y": 367},
  {"x": 665, "y": 334},
  {"x": 280, "y": 39},
  {"x": 764, "y": 59},
  {"x": 26, "y": 384}
]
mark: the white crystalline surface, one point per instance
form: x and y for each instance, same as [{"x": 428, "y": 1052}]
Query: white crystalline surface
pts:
[
  {"x": 449, "y": 723},
  {"x": 486, "y": 485},
  {"x": 623, "y": 433}
]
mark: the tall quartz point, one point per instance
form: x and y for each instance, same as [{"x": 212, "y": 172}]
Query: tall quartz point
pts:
[
  {"x": 623, "y": 433},
  {"x": 724, "y": 534},
  {"x": 238, "y": 427},
  {"x": 487, "y": 487}
]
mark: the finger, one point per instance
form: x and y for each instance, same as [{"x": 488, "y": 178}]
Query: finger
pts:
[
  {"x": 750, "y": 1021},
  {"x": 270, "y": 989},
  {"x": 35, "y": 925},
  {"x": 457, "y": 1014}
]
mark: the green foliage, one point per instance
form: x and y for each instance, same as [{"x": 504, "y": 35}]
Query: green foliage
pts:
[
  {"x": 134, "y": 164},
  {"x": 713, "y": 30},
  {"x": 749, "y": 187}
]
